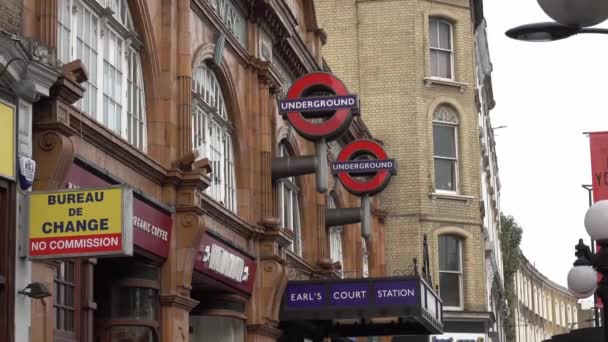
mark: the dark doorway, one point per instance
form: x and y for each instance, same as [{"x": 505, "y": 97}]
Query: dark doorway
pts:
[{"x": 7, "y": 260}]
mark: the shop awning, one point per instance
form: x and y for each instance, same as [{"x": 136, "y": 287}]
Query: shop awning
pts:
[{"x": 361, "y": 307}]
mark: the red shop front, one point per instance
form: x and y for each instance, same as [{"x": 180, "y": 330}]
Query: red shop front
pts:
[
  {"x": 222, "y": 282},
  {"x": 126, "y": 290}
]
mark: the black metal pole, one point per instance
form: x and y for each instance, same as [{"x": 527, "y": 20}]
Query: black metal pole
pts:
[
  {"x": 601, "y": 265},
  {"x": 596, "y": 312}
]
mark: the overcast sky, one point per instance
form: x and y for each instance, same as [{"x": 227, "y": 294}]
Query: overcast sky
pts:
[{"x": 547, "y": 94}]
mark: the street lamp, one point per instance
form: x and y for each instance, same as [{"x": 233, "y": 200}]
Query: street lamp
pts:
[
  {"x": 576, "y": 12},
  {"x": 582, "y": 278},
  {"x": 571, "y": 17}
]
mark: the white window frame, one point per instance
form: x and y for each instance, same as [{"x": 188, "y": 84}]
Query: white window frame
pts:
[
  {"x": 212, "y": 135},
  {"x": 336, "y": 249},
  {"x": 288, "y": 186},
  {"x": 95, "y": 38},
  {"x": 460, "y": 307},
  {"x": 447, "y": 120},
  {"x": 433, "y": 20}
]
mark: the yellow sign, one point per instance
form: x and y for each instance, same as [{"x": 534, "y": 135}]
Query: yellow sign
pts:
[
  {"x": 7, "y": 141},
  {"x": 81, "y": 222}
]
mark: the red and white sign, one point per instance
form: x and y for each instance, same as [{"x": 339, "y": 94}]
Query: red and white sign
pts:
[
  {"x": 226, "y": 264},
  {"x": 599, "y": 165},
  {"x": 340, "y": 107},
  {"x": 152, "y": 227},
  {"x": 599, "y": 176}
]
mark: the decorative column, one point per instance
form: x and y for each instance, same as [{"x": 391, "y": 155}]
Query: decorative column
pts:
[
  {"x": 187, "y": 180},
  {"x": 184, "y": 78},
  {"x": 47, "y": 13}
]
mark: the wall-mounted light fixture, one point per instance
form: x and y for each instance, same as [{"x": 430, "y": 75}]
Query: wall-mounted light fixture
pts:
[
  {"x": 36, "y": 291},
  {"x": 24, "y": 88}
]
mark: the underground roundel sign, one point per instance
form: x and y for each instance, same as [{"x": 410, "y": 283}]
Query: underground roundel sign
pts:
[
  {"x": 363, "y": 167},
  {"x": 321, "y": 96}
]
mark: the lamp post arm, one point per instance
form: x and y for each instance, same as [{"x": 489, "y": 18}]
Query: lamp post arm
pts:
[{"x": 593, "y": 30}]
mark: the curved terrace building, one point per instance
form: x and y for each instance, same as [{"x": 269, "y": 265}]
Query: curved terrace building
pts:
[{"x": 542, "y": 307}]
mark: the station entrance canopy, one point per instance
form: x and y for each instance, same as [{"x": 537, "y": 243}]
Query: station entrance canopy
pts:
[{"x": 361, "y": 307}]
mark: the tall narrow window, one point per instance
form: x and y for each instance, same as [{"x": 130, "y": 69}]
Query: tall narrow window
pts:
[
  {"x": 289, "y": 208},
  {"x": 365, "y": 261},
  {"x": 103, "y": 38},
  {"x": 212, "y": 135},
  {"x": 64, "y": 298},
  {"x": 445, "y": 148},
  {"x": 450, "y": 271},
  {"x": 335, "y": 237},
  {"x": 442, "y": 48}
]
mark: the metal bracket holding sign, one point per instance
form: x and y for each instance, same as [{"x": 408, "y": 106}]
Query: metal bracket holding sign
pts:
[
  {"x": 80, "y": 223},
  {"x": 319, "y": 107},
  {"x": 364, "y": 170}
]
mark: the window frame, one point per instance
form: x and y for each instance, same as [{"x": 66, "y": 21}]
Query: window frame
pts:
[
  {"x": 96, "y": 38},
  {"x": 290, "y": 183},
  {"x": 60, "y": 283},
  {"x": 209, "y": 118},
  {"x": 460, "y": 240},
  {"x": 451, "y": 51},
  {"x": 335, "y": 231},
  {"x": 454, "y": 125}
]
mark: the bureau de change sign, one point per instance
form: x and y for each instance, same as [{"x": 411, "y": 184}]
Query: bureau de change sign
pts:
[{"x": 81, "y": 222}]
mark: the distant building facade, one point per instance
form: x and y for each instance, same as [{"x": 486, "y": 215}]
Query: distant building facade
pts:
[
  {"x": 419, "y": 96},
  {"x": 542, "y": 307},
  {"x": 490, "y": 181}
]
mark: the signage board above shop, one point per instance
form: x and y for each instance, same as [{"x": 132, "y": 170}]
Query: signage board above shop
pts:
[
  {"x": 458, "y": 337},
  {"x": 151, "y": 226},
  {"x": 226, "y": 264},
  {"x": 366, "y": 298},
  {"x": 7, "y": 141},
  {"x": 81, "y": 222}
]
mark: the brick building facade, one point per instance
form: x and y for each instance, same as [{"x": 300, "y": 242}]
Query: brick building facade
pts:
[
  {"x": 414, "y": 65},
  {"x": 177, "y": 100}
]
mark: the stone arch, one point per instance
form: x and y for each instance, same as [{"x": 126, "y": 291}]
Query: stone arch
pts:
[{"x": 149, "y": 56}]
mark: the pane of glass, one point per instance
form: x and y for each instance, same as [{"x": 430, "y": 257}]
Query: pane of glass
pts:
[
  {"x": 435, "y": 63},
  {"x": 444, "y": 35},
  {"x": 288, "y": 213},
  {"x": 449, "y": 286},
  {"x": 433, "y": 34},
  {"x": 57, "y": 318},
  {"x": 134, "y": 303},
  {"x": 449, "y": 253},
  {"x": 131, "y": 334},
  {"x": 445, "y": 174},
  {"x": 444, "y": 143},
  {"x": 444, "y": 61}
]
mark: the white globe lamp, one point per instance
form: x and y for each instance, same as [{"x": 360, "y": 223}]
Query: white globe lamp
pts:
[
  {"x": 582, "y": 281},
  {"x": 596, "y": 220},
  {"x": 576, "y": 12}
]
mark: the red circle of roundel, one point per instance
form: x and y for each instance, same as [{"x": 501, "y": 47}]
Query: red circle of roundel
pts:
[
  {"x": 370, "y": 187},
  {"x": 336, "y": 124}
]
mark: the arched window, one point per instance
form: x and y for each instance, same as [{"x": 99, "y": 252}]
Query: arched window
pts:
[
  {"x": 335, "y": 237},
  {"x": 365, "y": 261},
  {"x": 445, "y": 148},
  {"x": 441, "y": 48},
  {"x": 211, "y": 135},
  {"x": 450, "y": 271},
  {"x": 289, "y": 207},
  {"x": 109, "y": 48}
]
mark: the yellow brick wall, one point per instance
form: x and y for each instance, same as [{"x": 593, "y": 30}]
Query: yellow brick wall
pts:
[{"x": 379, "y": 48}]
